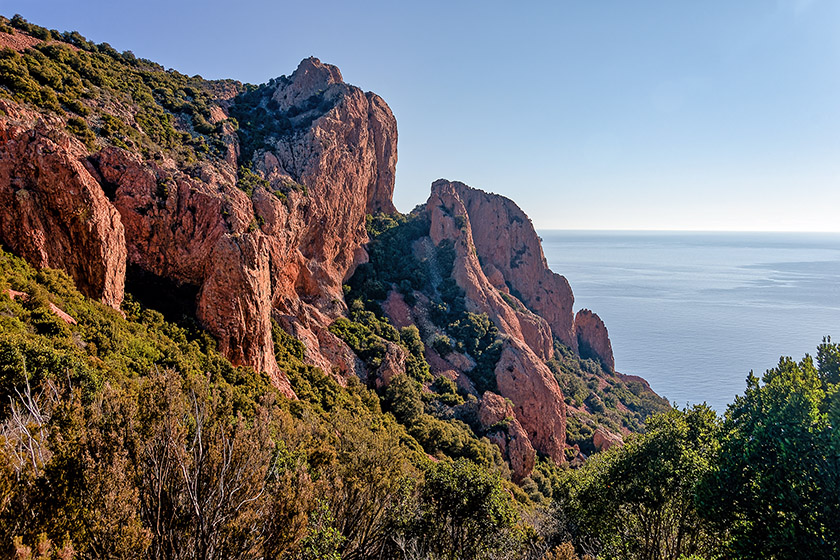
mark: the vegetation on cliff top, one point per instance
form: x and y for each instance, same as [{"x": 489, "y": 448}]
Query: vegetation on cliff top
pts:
[
  {"x": 114, "y": 98},
  {"x": 108, "y": 98}
]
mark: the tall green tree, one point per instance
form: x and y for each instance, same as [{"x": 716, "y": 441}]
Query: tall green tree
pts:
[
  {"x": 463, "y": 513},
  {"x": 775, "y": 485},
  {"x": 637, "y": 501}
]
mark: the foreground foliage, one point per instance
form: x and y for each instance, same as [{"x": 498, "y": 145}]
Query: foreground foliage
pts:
[
  {"x": 133, "y": 438},
  {"x": 763, "y": 482}
]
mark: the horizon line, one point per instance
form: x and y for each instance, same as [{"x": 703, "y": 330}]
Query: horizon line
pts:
[{"x": 650, "y": 230}]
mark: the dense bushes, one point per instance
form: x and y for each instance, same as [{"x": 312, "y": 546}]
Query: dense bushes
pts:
[
  {"x": 776, "y": 486},
  {"x": 463, "y": 512},
  {"x": 452, "y": 438},
  {"x": 638, "y": 501},
  {"x": 762, "y": 483},
  {"x": 124, "y": 101},
  {"x": 132, "y": 438},
  {"x": 597, "y": 397}
]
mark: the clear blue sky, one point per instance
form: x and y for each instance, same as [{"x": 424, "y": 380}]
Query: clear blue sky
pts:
[{"x": 716, "y": 115}]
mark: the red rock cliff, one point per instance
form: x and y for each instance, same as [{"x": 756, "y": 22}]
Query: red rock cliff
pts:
[
  {"x": 53, "y": 212},
  {"x": 521, "y": 373},
  {"x": 509, "y": 247},
  {"x": 251, "y": 257}
]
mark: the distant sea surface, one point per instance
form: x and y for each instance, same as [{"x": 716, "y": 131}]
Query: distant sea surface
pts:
[{"x": 693, "y": 313}]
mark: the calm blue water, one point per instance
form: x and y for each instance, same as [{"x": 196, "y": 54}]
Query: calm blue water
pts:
[{"x": 693, "y": 313}]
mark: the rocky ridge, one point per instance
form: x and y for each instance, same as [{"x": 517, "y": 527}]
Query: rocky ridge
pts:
[
  {"x": 521, "y": 373},
  {"x": 276, "y": 239},
  {"x": 593, "y": 338},
  {"x": 273, "y": 253}
]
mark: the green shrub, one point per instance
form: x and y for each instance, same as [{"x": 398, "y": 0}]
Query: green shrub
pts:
[{"x": 79, "y": 128}]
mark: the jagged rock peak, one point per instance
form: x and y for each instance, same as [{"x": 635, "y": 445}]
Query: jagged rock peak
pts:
[
  {"x": 311, "y": 77},
  {"x": 506, "y": 241},
  {"x": 449, "y": 220},
  {"x": 326, "y": 116}
]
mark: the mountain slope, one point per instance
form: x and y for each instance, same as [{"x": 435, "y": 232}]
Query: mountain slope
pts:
[
  {"x": 267, "y": 228},
  {"x": 246, "y": 209}
]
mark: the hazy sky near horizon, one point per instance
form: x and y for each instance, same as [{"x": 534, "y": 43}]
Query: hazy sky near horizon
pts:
[{"x": 715, "y": 115}]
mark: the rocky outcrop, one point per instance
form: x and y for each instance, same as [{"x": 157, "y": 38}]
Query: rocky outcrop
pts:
[
  {"x": 60, "y": 313},
  {"x": 521, "y": 373},
  {"x": 603, "y": 439},
  {"x": 496, "y": 415},
  {"x": 450, "y": 222},
  {"x": 53, "y": 212},
  {"x": 510, "y": 250},
  {"x": 537, "y": 398},
  {"x": 593, "y": 338},
  {"x": 251, "y": 257},
  {"x": 393, "y": 364},
  {"x": 350, "y": 148}
]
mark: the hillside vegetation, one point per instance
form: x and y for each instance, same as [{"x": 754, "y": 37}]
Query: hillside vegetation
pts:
[
  {"x": 130, "y": 437},
  {"x": 113, "y": 98},
  {"x": 127, "y": 434}
]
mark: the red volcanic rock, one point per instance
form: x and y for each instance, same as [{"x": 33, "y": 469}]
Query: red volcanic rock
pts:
[
  {"x": 537, "y": 398},
  {"x": 593, "y": 338},
  {"x": 603, "y": 439},
  {"x": 52, "y": 210},
  {"x": 251, "y": 258},
  {"x": 18, "y": 41},
  {"x": 496, "y": 415},
  {"x": 449, "y": 221},
  {"x": 393, "y": 364},
  {"x": 196, "y": 230},
  {"x": 521, "y": 373},
  {"x": 505, "y": 239},
  {"x": 319, "y": 158},
  {"x": 397, "y": 310}
]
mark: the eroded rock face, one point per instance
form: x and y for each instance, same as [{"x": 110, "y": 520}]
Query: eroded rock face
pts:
[
  {"x": 593, "y": 338},
  {"x": 521, "y": 373},
  {"x": 251, "y": 258},
  {"x": 393, "y": 364},
  {"x": 342, "y": 116},
  {"x": 450, "y": 222},
  {"x": 506, "y": 241},
  {"x": 537, "y": 398},
  {"x": 53, "y": 212},
  {"x": 496, "y": 415},
  {"x": 603, "y": 439}
]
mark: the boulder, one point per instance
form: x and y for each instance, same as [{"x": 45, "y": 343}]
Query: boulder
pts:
[{"x": 496, "y": 415}]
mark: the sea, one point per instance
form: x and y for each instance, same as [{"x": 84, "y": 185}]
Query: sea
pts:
[{"x": 694, "y": 313}]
